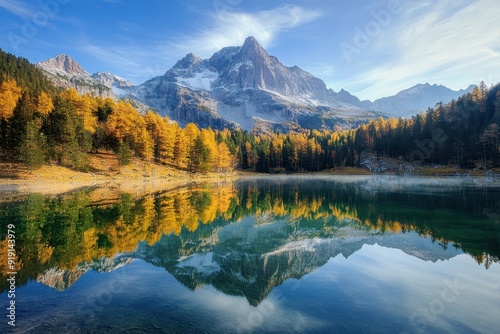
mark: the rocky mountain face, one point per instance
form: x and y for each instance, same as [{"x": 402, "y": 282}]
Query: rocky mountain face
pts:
[
  {"x": 417, "y": 98},
  {"x": 252, "y": 68},
  {"x": 246, "y": 87},
  {"x": 65, "y": 72},
  {"x": 117, "y": 84},
  {"x": 64, "y": 65}
]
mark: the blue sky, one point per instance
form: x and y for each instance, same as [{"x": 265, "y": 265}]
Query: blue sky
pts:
[{"x": 371, "y": 48}]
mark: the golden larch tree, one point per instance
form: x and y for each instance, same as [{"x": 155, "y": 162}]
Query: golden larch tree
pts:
[
  {"x": 44, "y": 104},
  {"x": 10, "y": 93}
]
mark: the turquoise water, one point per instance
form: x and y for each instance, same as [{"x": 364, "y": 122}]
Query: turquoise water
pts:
[{"x": 280, "y": 255}]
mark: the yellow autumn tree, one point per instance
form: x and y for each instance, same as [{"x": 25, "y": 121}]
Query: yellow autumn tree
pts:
[
  {"x": 85, "y": 107},
  {"x": 143, "y": 144},
  {"x": 163, "y": 139},
  {"x": 10, "y": 93},
  {"x": 225, "y": 160},
  {"x": 104, "y": 101},
  {"x": 127, "y": 125},
  {"x": 207, "y": 137},
  {"x": 191, "y": 132},
  {"x": 181, "y": 147},
  {"x": 121, "y": 120},
  {"x": 276, "y": 150},
  {"x": 169, "y": 140},
  {"x": 479, "y": 92},
  {"x": 184, "y": 144},
  {"x": 44, "y": 104}
]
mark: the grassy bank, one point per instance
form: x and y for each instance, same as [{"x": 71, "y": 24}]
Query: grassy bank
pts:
[{"x": 139, "y": 177}]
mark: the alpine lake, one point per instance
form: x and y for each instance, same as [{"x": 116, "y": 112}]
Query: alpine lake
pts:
[{"x": 297, "y": 254}]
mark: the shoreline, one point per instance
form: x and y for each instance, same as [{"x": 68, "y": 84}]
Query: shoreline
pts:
[
  {"x": 142, "y": 178},
  {"x": 140, "y": 185},
  {"x": 139, "y": 178}
]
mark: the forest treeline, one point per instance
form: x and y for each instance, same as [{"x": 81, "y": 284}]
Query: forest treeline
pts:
[
  {"x": 41, "y": 124},
  {"x": 463, "y": 133}
]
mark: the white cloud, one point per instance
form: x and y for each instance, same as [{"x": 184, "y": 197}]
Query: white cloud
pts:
[
  {"x": 450, "y": 42},
  {"x": 273, "y": 314},
  {"x": 139, "y": 63},
  {"x": 229, "y": 28}
]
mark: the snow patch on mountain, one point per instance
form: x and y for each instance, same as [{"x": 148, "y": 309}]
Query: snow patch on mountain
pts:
[
  {"x": 306, "y": 245},
  {"x": 119, "y": 91},
  {"x": 202, "y": 263},
  {"x": 199, "y": 81}
]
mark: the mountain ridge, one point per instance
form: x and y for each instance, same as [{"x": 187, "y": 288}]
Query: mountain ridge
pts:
[
  {"x": 243, "y": 86},
  {"x": 419, "y": 96}
]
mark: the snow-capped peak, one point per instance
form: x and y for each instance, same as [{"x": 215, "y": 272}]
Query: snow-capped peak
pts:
[{"x": 199, "y": 80}]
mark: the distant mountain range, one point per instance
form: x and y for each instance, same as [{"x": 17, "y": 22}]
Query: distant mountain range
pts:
[
  {"x": 417, "y": 98},
  {"x": 246, "y": 87}
]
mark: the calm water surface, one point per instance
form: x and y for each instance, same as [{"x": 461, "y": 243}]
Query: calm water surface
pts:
[{"x": 273, "y": 255}]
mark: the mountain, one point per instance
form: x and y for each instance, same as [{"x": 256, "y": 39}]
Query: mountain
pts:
[
  {"x": 246, "y": 87},
  {"x": 65, "y": 72},
  {"x": 417, "y": 98}
]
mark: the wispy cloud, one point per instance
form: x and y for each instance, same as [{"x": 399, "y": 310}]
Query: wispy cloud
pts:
[
  {"x": 223, "y": 28},
  {"x": 228, "y": 28},
  {"x": 135, "y": 63},
  {"x": 324, "y": 70},
  {"x": 18, "y": 8},
  {"x": 450, "y": 42}
]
